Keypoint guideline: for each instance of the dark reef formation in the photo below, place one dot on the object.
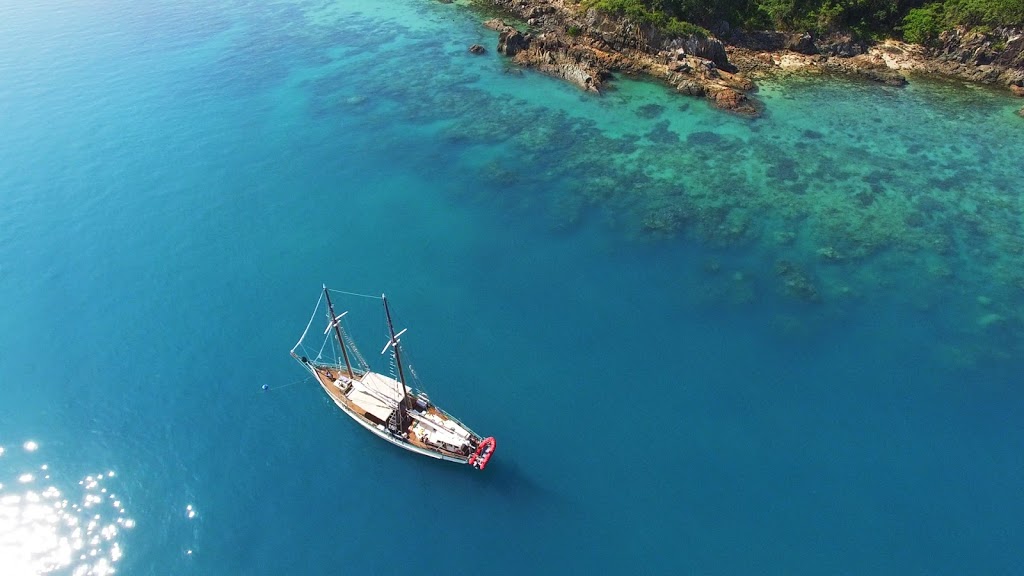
(818, 214)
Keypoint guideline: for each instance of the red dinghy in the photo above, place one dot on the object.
(483, 453)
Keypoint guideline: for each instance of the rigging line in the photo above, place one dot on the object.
(322, 346)
(355, 294)
(355, 351)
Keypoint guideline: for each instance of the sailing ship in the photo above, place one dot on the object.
(386, 405)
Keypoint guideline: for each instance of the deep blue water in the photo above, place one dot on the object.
(176, 182)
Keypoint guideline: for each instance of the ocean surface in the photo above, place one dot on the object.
(705, 344)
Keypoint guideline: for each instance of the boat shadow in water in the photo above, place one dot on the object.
(514, 484)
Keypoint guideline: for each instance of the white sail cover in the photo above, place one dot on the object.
(377, 394)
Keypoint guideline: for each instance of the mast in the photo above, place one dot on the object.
(398, 357)
(337, 331)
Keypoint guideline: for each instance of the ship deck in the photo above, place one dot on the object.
(326, 377)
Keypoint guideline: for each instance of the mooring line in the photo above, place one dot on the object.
(267, 388)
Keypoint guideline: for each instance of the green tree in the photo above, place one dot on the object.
(923, 25)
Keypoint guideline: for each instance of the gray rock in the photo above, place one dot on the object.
(538, 11)
(682, 68)
(883, 76)
(691, 88)
(707, 48)
(843, 46)
(496, 24)
(1000, 47)
(802, 43)
(511, 42)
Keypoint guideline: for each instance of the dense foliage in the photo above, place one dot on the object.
(655, 15)
(923, 25)
(917, 20)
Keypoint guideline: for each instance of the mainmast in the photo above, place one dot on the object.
(398, 356)
(336, 322)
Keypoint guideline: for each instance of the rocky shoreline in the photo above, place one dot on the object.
(557, 38)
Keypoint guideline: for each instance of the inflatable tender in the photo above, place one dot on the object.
(479, 458)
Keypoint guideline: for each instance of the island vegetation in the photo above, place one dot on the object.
(916, 21)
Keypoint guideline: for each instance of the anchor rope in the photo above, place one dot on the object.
(287, 385)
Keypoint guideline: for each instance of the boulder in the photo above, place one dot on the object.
(1017, 90)
(512, 41)
(844, 47)
(691, 88)
(882, 76)
(538, 11)
(496, 24)
(681, 68)
(802, 43)
(477, 49)
(706, 48)
(705, 69)
(725, 98)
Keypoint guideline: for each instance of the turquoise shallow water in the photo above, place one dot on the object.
(706, 345)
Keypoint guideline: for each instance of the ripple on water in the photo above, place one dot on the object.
(49, 525)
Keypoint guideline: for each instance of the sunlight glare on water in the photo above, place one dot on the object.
(45, 528)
